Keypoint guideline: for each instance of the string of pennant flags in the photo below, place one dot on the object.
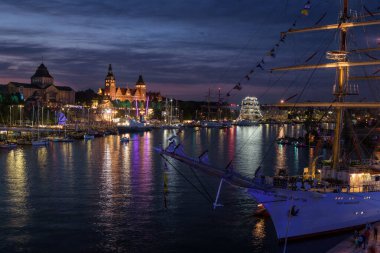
(273, 51)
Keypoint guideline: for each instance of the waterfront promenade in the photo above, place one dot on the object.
(348, 245)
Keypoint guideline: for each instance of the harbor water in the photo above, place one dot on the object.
(105, 196)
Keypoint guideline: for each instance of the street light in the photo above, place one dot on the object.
(171, 111)
(109, 112)
(10, 115)
(20, 106)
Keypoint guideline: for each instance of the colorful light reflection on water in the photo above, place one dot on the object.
(103, 195)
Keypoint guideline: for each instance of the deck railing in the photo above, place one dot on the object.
(290, 184)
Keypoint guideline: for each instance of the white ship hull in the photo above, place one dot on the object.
(317, 212)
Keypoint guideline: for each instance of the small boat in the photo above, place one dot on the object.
(8, 145)
(283, 141)
(174, 126)
(211, 124)
(99, 134)
(88, 136)
(23, 142)
(110, 132)
(226, 124)
(40, 142)
(299, 144)
(67, 139)
(124, 139)
(64, 139)
(56, 139)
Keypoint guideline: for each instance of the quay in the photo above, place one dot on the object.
(23, 135)
(54, 129)
(348, 245)
(30, 129)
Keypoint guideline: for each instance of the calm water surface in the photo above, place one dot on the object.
(103, 196)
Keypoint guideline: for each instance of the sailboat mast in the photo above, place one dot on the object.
(208, 104)
(38, 121)
(88, 120)
(219, 110)
(342, 76)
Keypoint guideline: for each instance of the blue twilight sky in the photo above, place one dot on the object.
(181, 47)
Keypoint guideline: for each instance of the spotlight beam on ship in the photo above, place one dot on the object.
(334, 104)
(328, 65)
(334, 26)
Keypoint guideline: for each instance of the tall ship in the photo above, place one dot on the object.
(340, 194)
(250, 112)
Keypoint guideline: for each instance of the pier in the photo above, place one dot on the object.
(348, 245)
(31, 129)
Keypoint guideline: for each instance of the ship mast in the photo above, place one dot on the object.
(342, 76)
(341, 63)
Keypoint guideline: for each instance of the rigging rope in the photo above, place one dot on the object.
(371, 88)
(187, 180)
(369, 132)
(200, 182)
(259, 27)
(298, 98)
(271, 53)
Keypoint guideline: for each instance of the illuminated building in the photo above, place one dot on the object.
(138, 93)
(43, 89)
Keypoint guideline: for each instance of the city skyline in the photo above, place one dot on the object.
(182, 48)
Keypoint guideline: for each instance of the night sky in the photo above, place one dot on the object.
(181, 47)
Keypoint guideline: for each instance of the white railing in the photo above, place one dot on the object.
(289, 183)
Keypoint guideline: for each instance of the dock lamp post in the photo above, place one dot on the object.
(20, 107)
(171, 112)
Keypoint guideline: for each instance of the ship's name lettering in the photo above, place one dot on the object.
(347, 203)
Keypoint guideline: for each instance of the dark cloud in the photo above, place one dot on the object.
(179, 46)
